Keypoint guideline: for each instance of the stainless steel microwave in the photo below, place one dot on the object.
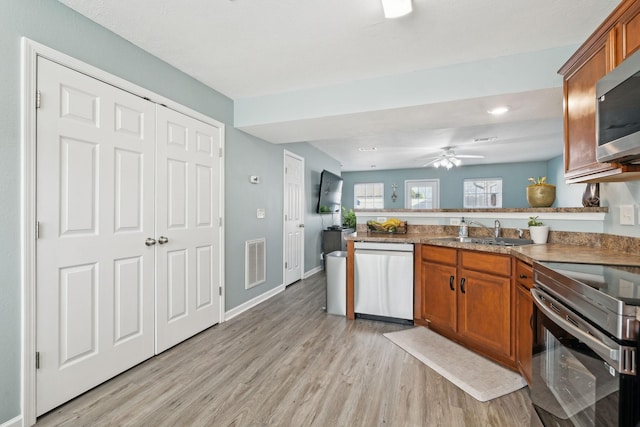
(618, 113)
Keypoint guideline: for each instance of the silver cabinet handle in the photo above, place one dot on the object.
(150, 241)
(162, 240)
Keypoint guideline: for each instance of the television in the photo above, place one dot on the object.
(330, 194)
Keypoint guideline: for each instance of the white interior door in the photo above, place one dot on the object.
(188, 226)
(293, 217)
(95, 208)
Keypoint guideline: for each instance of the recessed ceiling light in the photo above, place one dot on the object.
(396, 8)
(498, 110)
(367, 149)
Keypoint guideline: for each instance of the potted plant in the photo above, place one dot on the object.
(539, 193)
(349, 218)
(539, 232)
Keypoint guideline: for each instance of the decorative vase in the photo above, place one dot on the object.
(591, 196)
(539, 233)
(541, 195)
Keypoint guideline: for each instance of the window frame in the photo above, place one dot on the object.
(485, 194)
(433, 183)
(367, 197)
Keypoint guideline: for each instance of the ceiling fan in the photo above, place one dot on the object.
(448, 158)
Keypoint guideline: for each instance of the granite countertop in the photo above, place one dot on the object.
(529, 253)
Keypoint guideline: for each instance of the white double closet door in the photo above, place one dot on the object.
(129, 236)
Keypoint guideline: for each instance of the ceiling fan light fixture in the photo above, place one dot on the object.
(497, 111)
(396, 8)
(456, 161)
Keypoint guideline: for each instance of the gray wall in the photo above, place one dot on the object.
(314, 161)
(54, 25)
(514, 181)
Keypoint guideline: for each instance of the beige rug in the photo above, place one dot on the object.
(477, 376)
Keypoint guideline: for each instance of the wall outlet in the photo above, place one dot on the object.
(381, 219)
(454, 221)
(260, 213)
(627, 215)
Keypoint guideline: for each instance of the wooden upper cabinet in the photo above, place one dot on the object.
(580, 113)
(627, 32)
(610, 44)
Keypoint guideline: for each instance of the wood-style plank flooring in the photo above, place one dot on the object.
(287, 363)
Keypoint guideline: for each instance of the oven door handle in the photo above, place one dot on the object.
(547, 303)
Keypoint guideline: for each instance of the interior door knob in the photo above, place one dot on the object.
(162, 240)
(301, 225)
(150, 241)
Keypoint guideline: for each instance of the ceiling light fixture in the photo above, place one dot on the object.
(396, 8)
(498, 110)
(447, 163)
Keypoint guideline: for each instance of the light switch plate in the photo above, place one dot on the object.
(254, 179)
(260, 213)
(454, 221)
(627, 216)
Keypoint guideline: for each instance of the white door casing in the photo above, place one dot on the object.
(293, 217)
(188, 216)
(95, 208)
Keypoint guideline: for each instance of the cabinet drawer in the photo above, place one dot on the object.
(439, 254)
(496, 264)
(524, 274)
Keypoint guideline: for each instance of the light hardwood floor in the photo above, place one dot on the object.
(287, 363)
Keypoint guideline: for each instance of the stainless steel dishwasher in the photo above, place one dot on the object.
(383, 281)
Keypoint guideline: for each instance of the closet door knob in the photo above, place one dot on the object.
(162, 240)
(150, 241)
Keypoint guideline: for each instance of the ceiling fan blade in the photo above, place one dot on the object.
(469, 156)
(430, 162)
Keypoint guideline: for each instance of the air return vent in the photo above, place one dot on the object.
(255, 265)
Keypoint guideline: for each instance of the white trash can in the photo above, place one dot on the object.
(337, 283)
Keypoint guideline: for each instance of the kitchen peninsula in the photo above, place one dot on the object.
(490, 274)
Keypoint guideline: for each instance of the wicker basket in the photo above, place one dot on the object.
(401, 229)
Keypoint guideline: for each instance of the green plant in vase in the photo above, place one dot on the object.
(348, 218)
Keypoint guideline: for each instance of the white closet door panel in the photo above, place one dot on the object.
(293, 218)
(188, 209)
(95, 207)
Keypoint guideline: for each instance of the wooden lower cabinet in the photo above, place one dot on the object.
(466, 296)
(439, 296)
(484, 314)
(523, 279)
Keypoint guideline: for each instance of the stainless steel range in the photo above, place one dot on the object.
(585, 353)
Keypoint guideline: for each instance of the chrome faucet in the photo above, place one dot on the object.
(496, 227)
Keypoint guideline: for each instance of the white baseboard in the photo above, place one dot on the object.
(251, 303)
(313, 271)
(263, 297)
(15, 422)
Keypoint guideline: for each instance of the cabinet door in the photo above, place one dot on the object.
(628, 32)
(580, 114)
(439, 295)
(524, 331)
(484, 311)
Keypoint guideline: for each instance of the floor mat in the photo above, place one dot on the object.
(476, 375)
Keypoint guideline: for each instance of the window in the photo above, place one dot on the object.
(482, 193)
(422, 194)
(368, 195)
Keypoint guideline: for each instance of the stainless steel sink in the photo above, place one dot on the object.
(500, 241)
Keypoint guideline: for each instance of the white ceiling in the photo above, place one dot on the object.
(260, 52)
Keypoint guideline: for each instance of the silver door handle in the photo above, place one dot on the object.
(150, 241)
(162, 240)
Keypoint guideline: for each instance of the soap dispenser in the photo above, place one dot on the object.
(463, 229)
